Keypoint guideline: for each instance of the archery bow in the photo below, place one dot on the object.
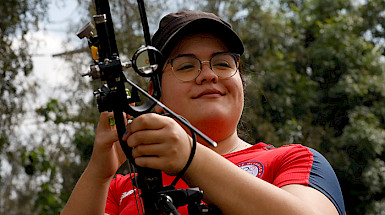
(113, 96)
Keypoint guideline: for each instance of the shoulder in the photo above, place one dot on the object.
(320, 176)
(284, 156)
(292, 164)
(275, 154)
(119, 185)
(294, 154)
(120, 188)
(121, 181)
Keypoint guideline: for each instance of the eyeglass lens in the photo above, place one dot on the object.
(188, 67)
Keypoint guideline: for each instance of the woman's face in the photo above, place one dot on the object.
(212, 104)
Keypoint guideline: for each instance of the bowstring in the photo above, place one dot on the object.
(135, 187)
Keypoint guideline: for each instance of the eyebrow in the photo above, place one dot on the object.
(190, 54)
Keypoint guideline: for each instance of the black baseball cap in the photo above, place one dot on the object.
(175, 26)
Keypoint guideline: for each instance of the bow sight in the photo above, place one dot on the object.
(113, 96)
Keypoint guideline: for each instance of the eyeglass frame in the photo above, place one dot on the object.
(234, 55)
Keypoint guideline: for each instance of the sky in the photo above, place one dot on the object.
(51, 71)
(48, 71)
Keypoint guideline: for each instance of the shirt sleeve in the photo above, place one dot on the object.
(292, 166)
(302, 165)
(112, 203)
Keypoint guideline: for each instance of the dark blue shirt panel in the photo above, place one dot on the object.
(323, 178)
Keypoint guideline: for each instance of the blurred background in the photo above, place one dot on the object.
(315, 75)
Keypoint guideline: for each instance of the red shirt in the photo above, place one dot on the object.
(290, 164)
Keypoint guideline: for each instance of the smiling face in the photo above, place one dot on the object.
(212, 104)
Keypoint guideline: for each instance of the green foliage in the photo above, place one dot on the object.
(314, 70)
(53, 111)
(47, 202)
(18, 18)
(316, 76)
(84, 142)
(39, 163)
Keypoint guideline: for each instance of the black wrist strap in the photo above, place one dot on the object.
(192, 153)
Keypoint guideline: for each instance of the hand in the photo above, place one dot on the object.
(158, 142)
(107, 155)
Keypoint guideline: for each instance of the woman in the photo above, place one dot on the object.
(201, 81)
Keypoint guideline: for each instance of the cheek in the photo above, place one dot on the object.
(240, 99)
(237, 88)
(175, 100)
(172, 91)
(238, 95)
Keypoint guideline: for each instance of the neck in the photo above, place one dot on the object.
(230, 144)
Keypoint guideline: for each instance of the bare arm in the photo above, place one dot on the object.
(160, 143)
(246, 194)
(90, 193)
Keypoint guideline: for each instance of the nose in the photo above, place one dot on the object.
(206, 74)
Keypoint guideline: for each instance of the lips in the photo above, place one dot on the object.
(209, 92)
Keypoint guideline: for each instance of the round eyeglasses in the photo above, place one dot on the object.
(188, 67)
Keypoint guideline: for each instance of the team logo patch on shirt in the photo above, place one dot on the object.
(253, 167)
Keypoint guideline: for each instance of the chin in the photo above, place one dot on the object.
(211, 116)
(211, 121)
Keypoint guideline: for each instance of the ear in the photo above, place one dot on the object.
(150, 90)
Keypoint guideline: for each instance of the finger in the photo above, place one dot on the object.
(148, 150)
(145, 137)
(150, 121)
(149, 162)
(104, 119)
(111, 120)
(108, 119)
(104, 132)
